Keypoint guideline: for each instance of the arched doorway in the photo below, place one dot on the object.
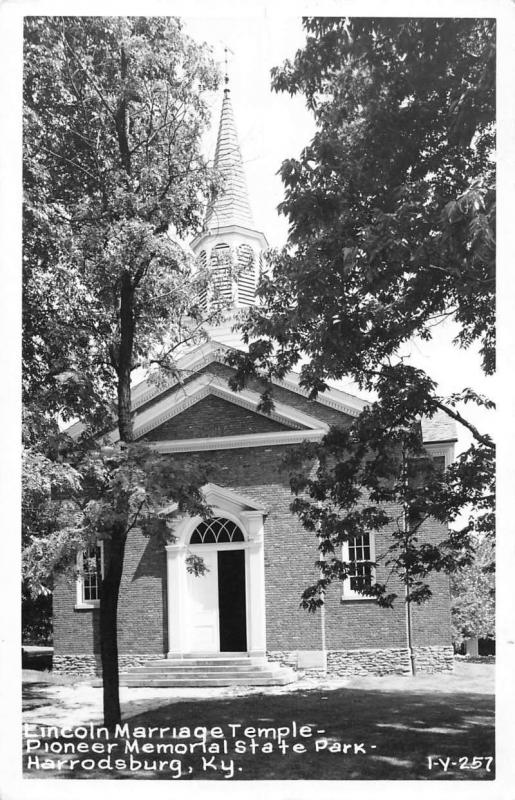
(218, 608)
(222, 610)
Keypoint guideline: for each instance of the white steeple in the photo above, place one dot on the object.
(230, 245)
(231, 206)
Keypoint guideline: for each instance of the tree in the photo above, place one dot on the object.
(392, 210)
(114, 114)
(473, 595)
(46, 483)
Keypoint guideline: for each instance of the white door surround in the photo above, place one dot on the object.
(192, 601)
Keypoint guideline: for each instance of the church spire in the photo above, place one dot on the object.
(231, 207)
(229, 245)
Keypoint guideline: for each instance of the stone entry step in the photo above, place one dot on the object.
(163, 666)
(222, 663)
(173, 682)
(209, 671)
(154, 666)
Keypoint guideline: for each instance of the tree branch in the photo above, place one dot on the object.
(69, 161)
(88, 76)
(135, 517)
(482, 438)
(120, 118)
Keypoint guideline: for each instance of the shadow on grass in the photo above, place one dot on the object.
(398, 730)
(34, 695)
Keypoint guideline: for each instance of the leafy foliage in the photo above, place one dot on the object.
(391, 206)
(36, 619)
(127, 486)
(374, 475)
(473, 595)
(114, 114)
(392, 215)
(114, 180)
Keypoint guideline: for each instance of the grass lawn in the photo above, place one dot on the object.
(398, 722)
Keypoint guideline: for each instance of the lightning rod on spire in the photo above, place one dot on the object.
(226, 66)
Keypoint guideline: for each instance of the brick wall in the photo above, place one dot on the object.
(350, 626)
(74, 631)
(290, 553)
(142, 618)
(313, 407)
(214, 416)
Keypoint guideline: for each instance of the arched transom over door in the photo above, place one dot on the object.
(218, 596)
(216, 531)
(222, 610)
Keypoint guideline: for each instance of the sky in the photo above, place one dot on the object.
(273, 127)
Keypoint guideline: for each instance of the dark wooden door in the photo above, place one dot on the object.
(232, 601)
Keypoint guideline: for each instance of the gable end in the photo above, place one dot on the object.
(215, 416)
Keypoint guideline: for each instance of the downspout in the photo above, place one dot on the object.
(323, 641)
(407, 599)
(322, 630)
(409, 640)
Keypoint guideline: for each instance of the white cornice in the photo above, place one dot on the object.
(236, 442)
(267, 440)
(203, 386)
(231, 231)
(329, 398)
(220, 495)
(213, 351)
(200, 357)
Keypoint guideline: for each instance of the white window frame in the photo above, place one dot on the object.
(347, 592)
(80, 602)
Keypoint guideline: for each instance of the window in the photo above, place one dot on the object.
(90, 569)
(216, 531)
(358, 553)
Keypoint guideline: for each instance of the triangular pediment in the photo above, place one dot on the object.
(212, 352)
(154, 404)
(219, 496)
(213, 415)
(177, 403)
(222, 499)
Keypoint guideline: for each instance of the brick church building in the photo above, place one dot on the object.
(241, 621)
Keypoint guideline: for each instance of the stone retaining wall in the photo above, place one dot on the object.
(387, 661)
(434, 659)
(377, 661)
(84, 665)
(340, 663)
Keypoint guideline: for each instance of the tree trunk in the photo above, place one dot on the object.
(125, 358)
(111, 583)
(124, 407)
(109, 628)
